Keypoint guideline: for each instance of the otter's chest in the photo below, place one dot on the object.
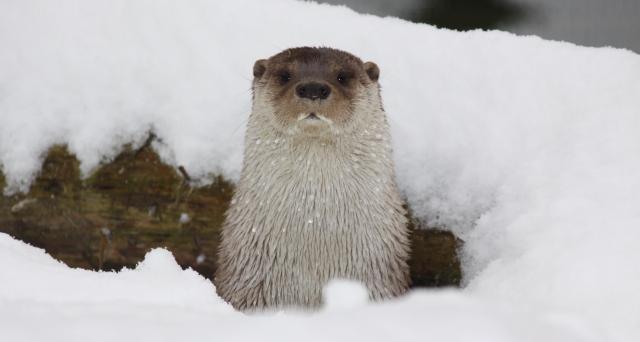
(315, 193)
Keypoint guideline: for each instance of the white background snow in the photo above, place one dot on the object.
(528, 149)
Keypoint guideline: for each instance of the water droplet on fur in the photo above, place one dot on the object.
(253, 230)
(246, 201)
(233, 201)
(258, 141)
(310, 221)
(260, 204)
(201, 258)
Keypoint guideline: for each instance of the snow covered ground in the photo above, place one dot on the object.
(527, 149)
(43, 300)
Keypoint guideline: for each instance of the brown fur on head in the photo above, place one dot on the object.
(338, 81)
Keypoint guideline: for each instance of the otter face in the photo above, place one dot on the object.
(313, 90)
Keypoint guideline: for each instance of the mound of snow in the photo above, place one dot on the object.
(528, 149)
(28, 274)
(344, 294)
(43, 300)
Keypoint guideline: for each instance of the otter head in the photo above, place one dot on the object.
(314, 91)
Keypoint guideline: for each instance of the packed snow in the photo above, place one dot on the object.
(528, 149)
(43, 300)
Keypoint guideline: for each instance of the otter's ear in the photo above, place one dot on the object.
(259, 68)
(372, 70)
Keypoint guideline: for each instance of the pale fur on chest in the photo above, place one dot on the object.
(307, 210)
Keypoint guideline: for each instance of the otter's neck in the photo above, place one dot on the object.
(316, 180)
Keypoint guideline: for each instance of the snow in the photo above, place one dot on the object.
(30, 275)
(184, 218)
(527, 149)
(41, 299)
(344, 294)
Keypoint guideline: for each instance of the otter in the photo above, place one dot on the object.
(317, 197)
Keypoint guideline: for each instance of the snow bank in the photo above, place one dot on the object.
(43, 300)
(28, 274)
(527, 149)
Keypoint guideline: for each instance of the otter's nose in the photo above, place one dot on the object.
(313, 91)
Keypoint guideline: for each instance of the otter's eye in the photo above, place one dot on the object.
(343, 78)
(284, 76)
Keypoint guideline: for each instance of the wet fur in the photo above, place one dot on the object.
(313, 205)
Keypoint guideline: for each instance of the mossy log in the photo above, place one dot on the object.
(136, 202)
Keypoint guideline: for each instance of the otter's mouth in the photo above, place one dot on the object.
(313, 117)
